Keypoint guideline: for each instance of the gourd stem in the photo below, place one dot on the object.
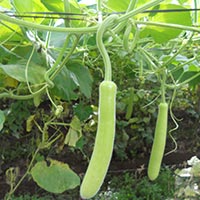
(75, 30)
(99, 40)
(163, 86)
(67, 57)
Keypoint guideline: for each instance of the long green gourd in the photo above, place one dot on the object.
(104, 141)
(159, 142)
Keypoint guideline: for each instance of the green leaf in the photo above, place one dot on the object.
(73, 76)
(76, 124)
(17, 71)
(56, 178)
(82, 111)
(163, 34)
(5, 4)
(2, 119)
(28, 6)
(81, 77)
(22, 7)
(64, 85)
(54, 5)
(9, 32)
(118, 5)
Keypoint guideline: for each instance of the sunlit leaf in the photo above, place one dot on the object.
(9, 32)
(163, 34)
(55, 178)
(25, 6)
(118, 5)
(54, 5)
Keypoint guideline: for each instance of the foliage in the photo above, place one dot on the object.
(16, 115)
(50, 70)
(127, 187)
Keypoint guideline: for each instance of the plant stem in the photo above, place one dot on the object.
(21, 97)
(178, 85)
(24, 176)
(139, 10)
(163, 80)
(67, 9)
(99, 40)
(56, 64)
(167, 25)
(66, 59)
(75, 30)
(47, 28)
(132, 12)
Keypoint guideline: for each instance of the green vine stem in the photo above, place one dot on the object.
(67, 9)
(75, 30)
(10, 94)
(132, 5)
(139, 10)
(132, 12)
(109, 21)
(99, 5)
(58, 60)
(53, 72)
(26, 70)
(175, 122)
(67, 57)
(168, 25)
(179, 85)
(47, 28)
(11, 192)
(195, 12)
(130, 45)
(180, 66)
(163, 83)
(184, 44)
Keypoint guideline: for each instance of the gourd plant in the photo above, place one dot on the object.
(104, 141)
(111, 25)
(160, 135)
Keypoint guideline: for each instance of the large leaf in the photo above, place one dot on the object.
(82, 77)
(28, 5)
(64, 85)
(55, 178)
(9, 34)
(70, 78)
(118, 5)
(22, 7)
(17, 71)
(163, 34)
(54, 5)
